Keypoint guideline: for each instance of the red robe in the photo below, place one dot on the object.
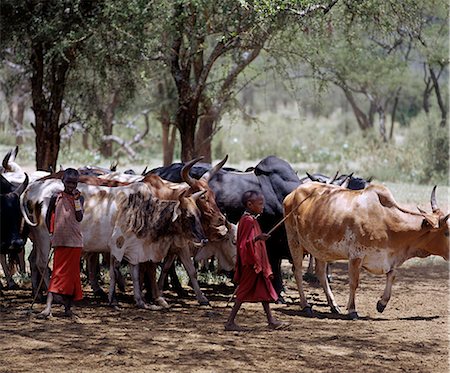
(253, 269)
(65, 277)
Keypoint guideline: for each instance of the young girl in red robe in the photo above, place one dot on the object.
(253, 270)
(64, 215)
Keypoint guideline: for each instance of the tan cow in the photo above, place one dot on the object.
(366, 227)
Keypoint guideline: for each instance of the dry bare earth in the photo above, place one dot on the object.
(411, 335)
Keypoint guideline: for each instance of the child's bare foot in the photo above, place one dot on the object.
(234, 327)
(276, 324)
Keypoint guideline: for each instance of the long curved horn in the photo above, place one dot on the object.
(14, 153)
(113, 166)
(312, 177)
(434, 206)
(6, 160)
(24, 211)
(208, 176)
(186, 168)
(334, 178)
(346, 181)
(20, 189)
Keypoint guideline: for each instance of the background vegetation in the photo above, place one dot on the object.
(327, 85)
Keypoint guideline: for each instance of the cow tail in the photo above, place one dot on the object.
(25, 212)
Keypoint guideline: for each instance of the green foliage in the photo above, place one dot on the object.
(319, 144)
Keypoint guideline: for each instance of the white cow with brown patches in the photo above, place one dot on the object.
(129, 221)
(366, 227)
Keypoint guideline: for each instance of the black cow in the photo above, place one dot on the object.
(273, 177)
(12, 241)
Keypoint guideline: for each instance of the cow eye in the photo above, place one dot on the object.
(446, 234)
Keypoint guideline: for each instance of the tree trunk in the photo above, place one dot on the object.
(440, 101)
(382, 122)
(205, 131)
(394, 113)
(187, 116)
(85, 140)
(362, 119)
(168, 138)
(47, 110)
(16, 113)
(203, 138)
(107, 117)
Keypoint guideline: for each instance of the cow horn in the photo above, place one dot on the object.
(24, 211)
(312, 177)
(195, 196)
(334, 178)
(6, 160)
(209, 175)
(20, 189)
(346, 181)
(445, 218)
(369, 180)
(434, 206)
(186, 168)
(144, 172)
(113, 166)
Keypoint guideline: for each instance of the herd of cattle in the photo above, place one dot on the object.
(190, 211)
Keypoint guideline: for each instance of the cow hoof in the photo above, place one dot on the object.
(310, 278)
(99, 293)
(380, 306)
(353, 315)
(204, 303)
(336, 310)
(152, 307)
(308, 311)
(13, 286)
(162, 302)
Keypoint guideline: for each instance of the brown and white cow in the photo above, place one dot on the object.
(366, 227)
(38, 195)
(129, 221)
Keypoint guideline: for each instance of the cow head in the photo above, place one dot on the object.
(224, 250)
(435, 227)
(213, 221)
(11, 221)
(190, 217)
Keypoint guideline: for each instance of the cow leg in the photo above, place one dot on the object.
(134, 270)
(382, 303)
(21, 256)
(113, 268)
(154, 288)
(92, 262)
(298, 269)
(185, 258)
(167, 264)
(9, 280)
(354, 268)
(321, 272)
(309, 275)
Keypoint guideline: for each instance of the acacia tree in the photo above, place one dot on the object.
(207, 45)
(47, 38)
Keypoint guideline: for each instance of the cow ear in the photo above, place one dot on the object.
(429, 219)
(176, 211)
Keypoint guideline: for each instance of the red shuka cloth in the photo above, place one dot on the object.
(66, 272)
(253, 269)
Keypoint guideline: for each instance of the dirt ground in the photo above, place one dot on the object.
(411, 335)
